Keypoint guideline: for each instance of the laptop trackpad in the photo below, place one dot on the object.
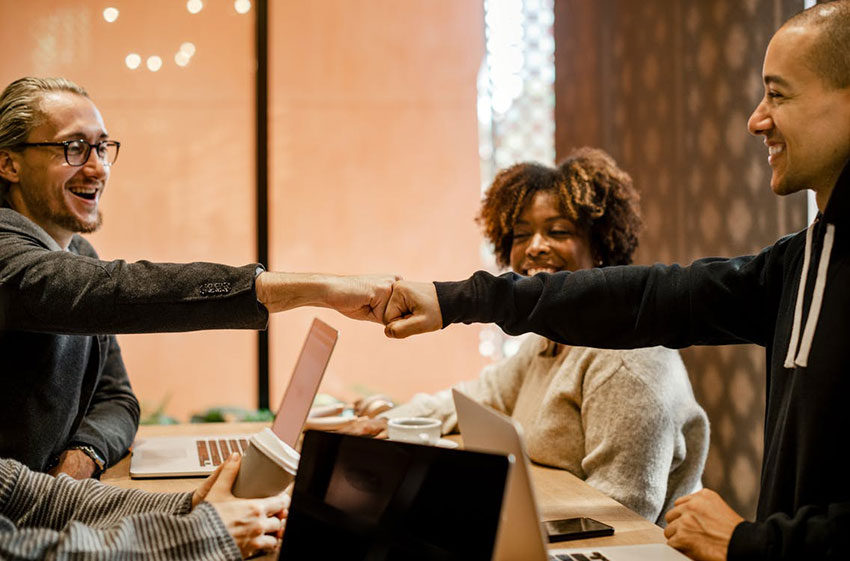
(160, 454)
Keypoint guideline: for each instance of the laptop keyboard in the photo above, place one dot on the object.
(214, 451)
(595, 556)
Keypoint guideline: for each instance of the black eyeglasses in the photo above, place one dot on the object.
(77, 151)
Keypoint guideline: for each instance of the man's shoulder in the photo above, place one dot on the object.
(19, 226)
(81, 246)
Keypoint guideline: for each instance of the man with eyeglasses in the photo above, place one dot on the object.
(66, 405)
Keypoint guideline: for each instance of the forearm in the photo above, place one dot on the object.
(37, 500)
(497, 386)
(712, 301)
(199, 535)
(284, 291)
(814, 532)
(112, 419)
(59, 292)
(433, 406)
(109, 427)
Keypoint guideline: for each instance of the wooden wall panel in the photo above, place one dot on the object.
(666, 86)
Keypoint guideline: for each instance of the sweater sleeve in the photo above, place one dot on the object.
(497, 386)
(814, 532)
(42, 516)
(712, 301)
(629, 442)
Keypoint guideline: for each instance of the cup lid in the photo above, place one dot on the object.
(276, 450)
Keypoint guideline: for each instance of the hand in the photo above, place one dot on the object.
(372, 406)
(700, 526)
(75, 463)
(363, 297)
(255, 524)
(413, 308)
(364, 426)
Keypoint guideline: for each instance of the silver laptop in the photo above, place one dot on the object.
(521, 536)
(188, 456)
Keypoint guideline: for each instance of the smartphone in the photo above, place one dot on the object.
(576, 529)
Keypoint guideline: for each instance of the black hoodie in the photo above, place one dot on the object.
(804, 504)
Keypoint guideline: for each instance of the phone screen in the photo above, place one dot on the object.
(576, 528)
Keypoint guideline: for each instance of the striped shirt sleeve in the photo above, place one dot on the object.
(45, 517)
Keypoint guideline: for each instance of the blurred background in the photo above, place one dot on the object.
(386, 119)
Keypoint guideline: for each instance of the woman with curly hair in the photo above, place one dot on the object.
(625, 421)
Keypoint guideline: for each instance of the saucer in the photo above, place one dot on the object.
(446, 443)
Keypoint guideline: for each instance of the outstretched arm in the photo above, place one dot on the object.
(358, 297)
(712, 301)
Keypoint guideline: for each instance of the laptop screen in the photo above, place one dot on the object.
(359, 498)
(305, 381)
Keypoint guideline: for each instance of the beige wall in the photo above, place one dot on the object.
(375, 168)
(373, 157)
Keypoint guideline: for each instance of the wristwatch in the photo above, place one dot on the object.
(99, 463)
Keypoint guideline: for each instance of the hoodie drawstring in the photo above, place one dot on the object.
(802, 357)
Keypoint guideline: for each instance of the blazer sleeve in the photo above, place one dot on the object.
(112, 419)
(54, 291)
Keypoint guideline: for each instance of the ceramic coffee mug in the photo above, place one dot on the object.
(415, 429)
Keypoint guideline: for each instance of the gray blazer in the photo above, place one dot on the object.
(61, 371)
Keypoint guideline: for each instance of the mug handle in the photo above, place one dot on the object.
(425, 438)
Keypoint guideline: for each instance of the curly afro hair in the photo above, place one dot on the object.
(595, 194)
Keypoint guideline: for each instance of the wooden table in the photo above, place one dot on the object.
(559, 493)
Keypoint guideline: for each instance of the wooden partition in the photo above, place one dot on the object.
(666, 86)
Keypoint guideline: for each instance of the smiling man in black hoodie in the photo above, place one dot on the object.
(793, 298)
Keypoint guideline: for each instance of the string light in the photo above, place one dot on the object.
(132, 61)
(110, 14)
(154, 63)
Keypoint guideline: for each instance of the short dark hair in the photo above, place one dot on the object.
(592, 192)
(829, 56)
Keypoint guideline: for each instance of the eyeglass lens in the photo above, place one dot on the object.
(77, 152)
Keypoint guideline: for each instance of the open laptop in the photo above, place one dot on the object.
(198, 456)
(358, 498)
(521, 536)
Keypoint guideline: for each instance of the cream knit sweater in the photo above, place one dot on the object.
(625, 421)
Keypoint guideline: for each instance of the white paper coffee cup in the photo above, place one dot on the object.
(419, 430)
(268, 466)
